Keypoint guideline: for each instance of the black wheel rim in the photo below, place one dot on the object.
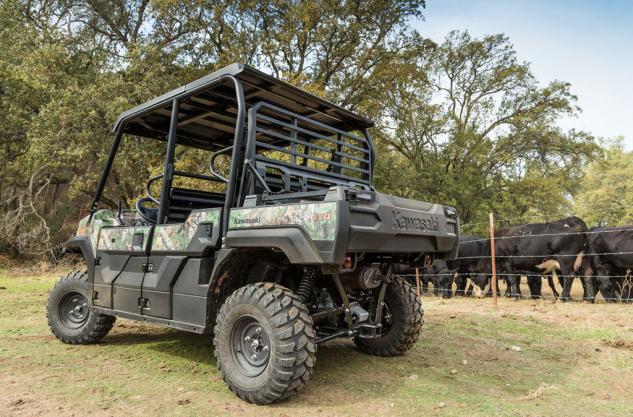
(250, 346)
(74, 309)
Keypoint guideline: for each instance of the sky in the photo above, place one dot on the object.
(587, 43)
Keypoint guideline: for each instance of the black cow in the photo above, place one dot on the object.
(548, 268)
(611, 261)
(441, 276)
(471, 249)
(436, 273)
(534, 282)
(539, 249)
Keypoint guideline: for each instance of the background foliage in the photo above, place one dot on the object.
(607, 193)
(460, 121)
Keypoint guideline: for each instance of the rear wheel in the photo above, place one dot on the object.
(69, 315)
(401, 321)
(264, 343)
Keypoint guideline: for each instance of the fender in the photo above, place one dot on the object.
(291, 240)
(85, 246)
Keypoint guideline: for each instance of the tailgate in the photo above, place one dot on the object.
(392, 224)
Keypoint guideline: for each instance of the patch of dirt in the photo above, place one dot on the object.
(43, 338)
(544, 310)
(19, 399)
(619, 343)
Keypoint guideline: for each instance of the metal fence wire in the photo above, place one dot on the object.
(625, 287)
(521, 218)
(431, 291)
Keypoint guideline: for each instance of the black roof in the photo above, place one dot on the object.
(207, 115)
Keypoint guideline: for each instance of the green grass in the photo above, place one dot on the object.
(144, 370)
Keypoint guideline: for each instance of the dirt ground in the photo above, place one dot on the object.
(521, 358)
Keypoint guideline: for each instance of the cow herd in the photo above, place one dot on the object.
(600, 257)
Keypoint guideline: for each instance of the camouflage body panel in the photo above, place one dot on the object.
(319, 220)
(121, 238)
(176, 237)
(100, 219)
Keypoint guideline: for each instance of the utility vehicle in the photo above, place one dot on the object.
(290, 249)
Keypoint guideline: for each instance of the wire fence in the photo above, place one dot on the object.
(513, 219)
(621, 278)
(548, 256)
(584, 233)
(528, 275)
(431, 291)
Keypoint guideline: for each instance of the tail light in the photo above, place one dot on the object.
(348, 262)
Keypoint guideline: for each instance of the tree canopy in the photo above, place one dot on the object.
(460, 121)
(476, 130)
(607, 189)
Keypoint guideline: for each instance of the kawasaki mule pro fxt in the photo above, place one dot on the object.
(291, 249)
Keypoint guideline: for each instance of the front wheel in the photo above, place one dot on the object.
(264, 343)
(401, 321)
(69, 315)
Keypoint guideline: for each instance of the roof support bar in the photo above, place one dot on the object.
(237, 156)
(168, 172)
(106, 171)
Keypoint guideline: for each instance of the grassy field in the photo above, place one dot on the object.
(574, 359)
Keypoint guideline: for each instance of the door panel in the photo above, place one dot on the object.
(193, 237)
(122, 256)
(194, 278)
(172, 249)
(108, 269)
(126, 291)
(157, 286)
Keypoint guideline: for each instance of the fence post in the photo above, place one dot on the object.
(492, 259)
(417, 280)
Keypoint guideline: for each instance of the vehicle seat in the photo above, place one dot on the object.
(183, 200)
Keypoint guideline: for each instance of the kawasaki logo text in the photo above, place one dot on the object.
(422, 224)
(247, 220)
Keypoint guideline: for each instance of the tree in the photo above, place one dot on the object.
(462, 122)
(71, 66)
(607, 188)
(479, 132)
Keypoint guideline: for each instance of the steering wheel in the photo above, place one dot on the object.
(148, 214)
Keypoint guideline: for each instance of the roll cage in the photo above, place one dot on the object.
(285, 144)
